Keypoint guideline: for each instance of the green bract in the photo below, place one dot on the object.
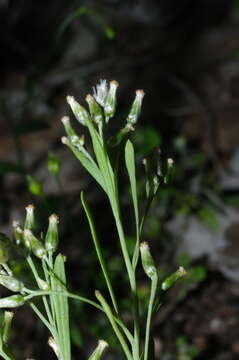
(170, 281)
(147, 260)
(33, 244)
(51, 239)
(11, 283)
(29, 222)
(98, 352)
(12, 301)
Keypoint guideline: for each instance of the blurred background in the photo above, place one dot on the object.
(185, 55)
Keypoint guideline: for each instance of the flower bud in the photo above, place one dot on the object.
(51, 239)
(67, 125)
(170, 281)
(78, 142)
(65, 141)
(95, 109)
(33, 244)
(169, 172)
(110, 102)
(80, 113)
(147, 260)
(42, 284)
(136, 107)
(12, 301)
(7, 322)
(11, 283)
(29, 222)
(17, 233)
(98, 352)
(152, 179)
(53, 164)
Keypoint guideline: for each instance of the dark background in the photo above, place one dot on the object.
(185, 55)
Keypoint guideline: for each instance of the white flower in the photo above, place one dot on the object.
(100, 92)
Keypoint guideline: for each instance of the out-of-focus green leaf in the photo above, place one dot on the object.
(109, 32)
(35, 187)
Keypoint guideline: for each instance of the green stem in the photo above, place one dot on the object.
(98, 251)
(44, 299)
(114, 325)
(42, 317)
(33, 293)
(48, 311)
(93, 303)
(51, 328)
(147, 207)
(131, 274)
(153, 291)
(123, 245)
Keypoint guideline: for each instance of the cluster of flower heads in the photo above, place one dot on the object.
(28, 244)
(102, 107)
(102, 104)
(26, 238)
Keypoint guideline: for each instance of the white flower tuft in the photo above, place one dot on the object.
(100, 92)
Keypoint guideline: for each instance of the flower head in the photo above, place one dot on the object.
(100, 92)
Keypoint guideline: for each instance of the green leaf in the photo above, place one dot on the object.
(130, 165)
(103, 163)
(89, 165)
(58, 281)
(109, 32)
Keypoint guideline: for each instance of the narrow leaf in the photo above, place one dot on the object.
(130, 165)
(61, 309)
(90, 166)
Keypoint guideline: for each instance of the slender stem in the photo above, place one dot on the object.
(48, 310)
(33, 293)
(124, 249)
(45, 302)
(98, 251)
(41, 317)
(32, 266)
(93, 303)
(4, 355)
(110, 316)
(153, 292)
(50, 265)
(131, 274)
(51, 328)
(7, 269)
(147, 207)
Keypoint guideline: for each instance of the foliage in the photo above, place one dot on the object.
(103, 162)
